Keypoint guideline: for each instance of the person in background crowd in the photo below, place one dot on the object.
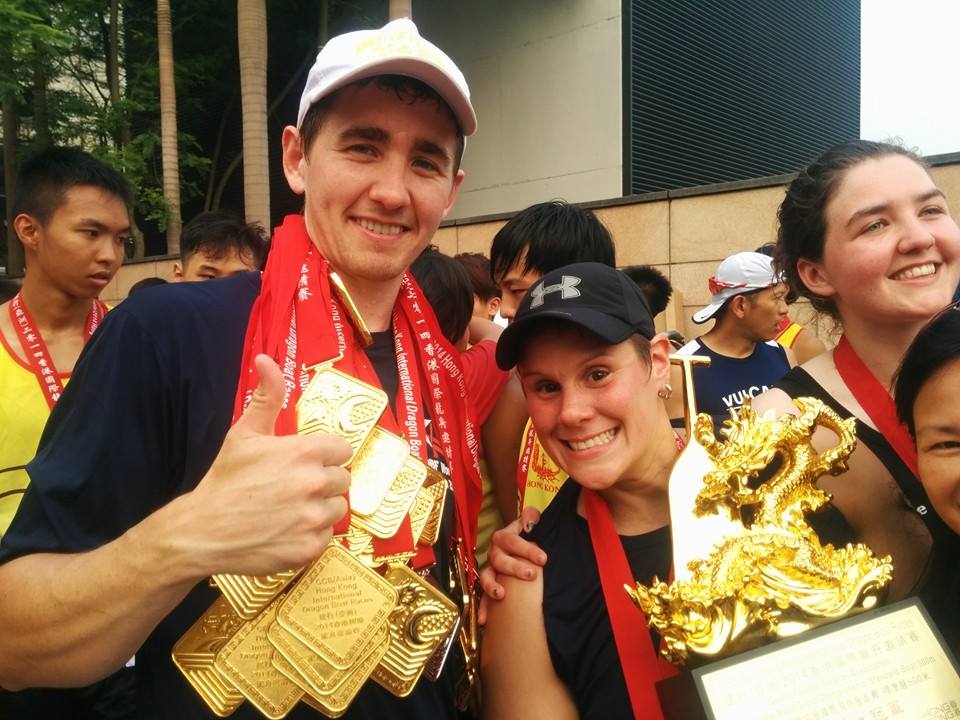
(747, 306)
(542, 238)
(536, 240)
(218, 244)
(142, 490)
(653, 284)
(71, 212)
(793, 336)
(930, 372)
(446, 283)
(486, 293)
(595, 376)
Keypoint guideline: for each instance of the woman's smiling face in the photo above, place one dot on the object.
(592, 404)
(891, 249)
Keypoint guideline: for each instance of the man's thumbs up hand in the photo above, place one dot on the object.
(268, 503)
(260, 415)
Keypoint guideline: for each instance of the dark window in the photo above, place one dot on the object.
(721, 90)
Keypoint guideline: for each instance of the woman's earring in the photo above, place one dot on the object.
(665, 392)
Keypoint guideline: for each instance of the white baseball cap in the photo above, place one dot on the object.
(738, 274)
(394, 49)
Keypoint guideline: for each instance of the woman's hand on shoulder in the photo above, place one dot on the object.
(519, 681)
(512, 556)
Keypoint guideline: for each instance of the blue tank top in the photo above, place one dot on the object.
(728, 382)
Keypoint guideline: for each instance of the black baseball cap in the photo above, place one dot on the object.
(594, 296)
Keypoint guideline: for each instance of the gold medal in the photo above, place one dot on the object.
(317, 676)
(195, 652)
(246, 661)
(437, 485)
(421, 620)
(420, 512)
(374, 469)
(397, 503)
(337, 702)
(341, 686)
(334, 402)
(434, 666)
(468, 688)
(249, 594)
(357, 540)
(337, 607)
(336, 284)
(309, 700)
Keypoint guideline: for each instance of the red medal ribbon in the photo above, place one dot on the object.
(875, 399)
(298, 322)
(35, 349)
(524, 464)
(642, 666)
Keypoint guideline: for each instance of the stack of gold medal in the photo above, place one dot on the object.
(316, 635)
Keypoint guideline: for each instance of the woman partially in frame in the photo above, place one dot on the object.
(571, 644)
(928, 384)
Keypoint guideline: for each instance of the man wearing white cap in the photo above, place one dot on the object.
(142, 490)
(748, 302)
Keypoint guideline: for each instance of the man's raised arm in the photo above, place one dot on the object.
(267, 504)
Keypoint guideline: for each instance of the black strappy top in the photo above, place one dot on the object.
(940, 586)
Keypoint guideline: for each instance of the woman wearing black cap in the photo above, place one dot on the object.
(570, 643)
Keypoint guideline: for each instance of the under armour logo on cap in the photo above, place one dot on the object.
(567, 287)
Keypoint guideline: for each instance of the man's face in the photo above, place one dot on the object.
(514, 284)
(203, 266)
(377, 180)
(763, 312)
(80, 248)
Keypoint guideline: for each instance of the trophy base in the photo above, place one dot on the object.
(886, 663)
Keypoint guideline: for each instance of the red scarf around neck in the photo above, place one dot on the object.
(298, 322)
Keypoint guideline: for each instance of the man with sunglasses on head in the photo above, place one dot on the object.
(748, 302)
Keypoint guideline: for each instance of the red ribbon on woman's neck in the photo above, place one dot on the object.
(642, 666)
(875, 400)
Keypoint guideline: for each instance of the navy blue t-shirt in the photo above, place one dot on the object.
(140, 422)
(728, 382)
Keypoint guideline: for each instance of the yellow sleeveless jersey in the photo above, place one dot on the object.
(788, 336)
(543, 476)
(23, 413)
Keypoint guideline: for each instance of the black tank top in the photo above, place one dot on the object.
(579, 633)
(940, 584)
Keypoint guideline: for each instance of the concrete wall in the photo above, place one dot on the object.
(684, 233)
(545, 81)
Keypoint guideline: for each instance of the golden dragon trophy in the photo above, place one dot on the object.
(748, 568)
